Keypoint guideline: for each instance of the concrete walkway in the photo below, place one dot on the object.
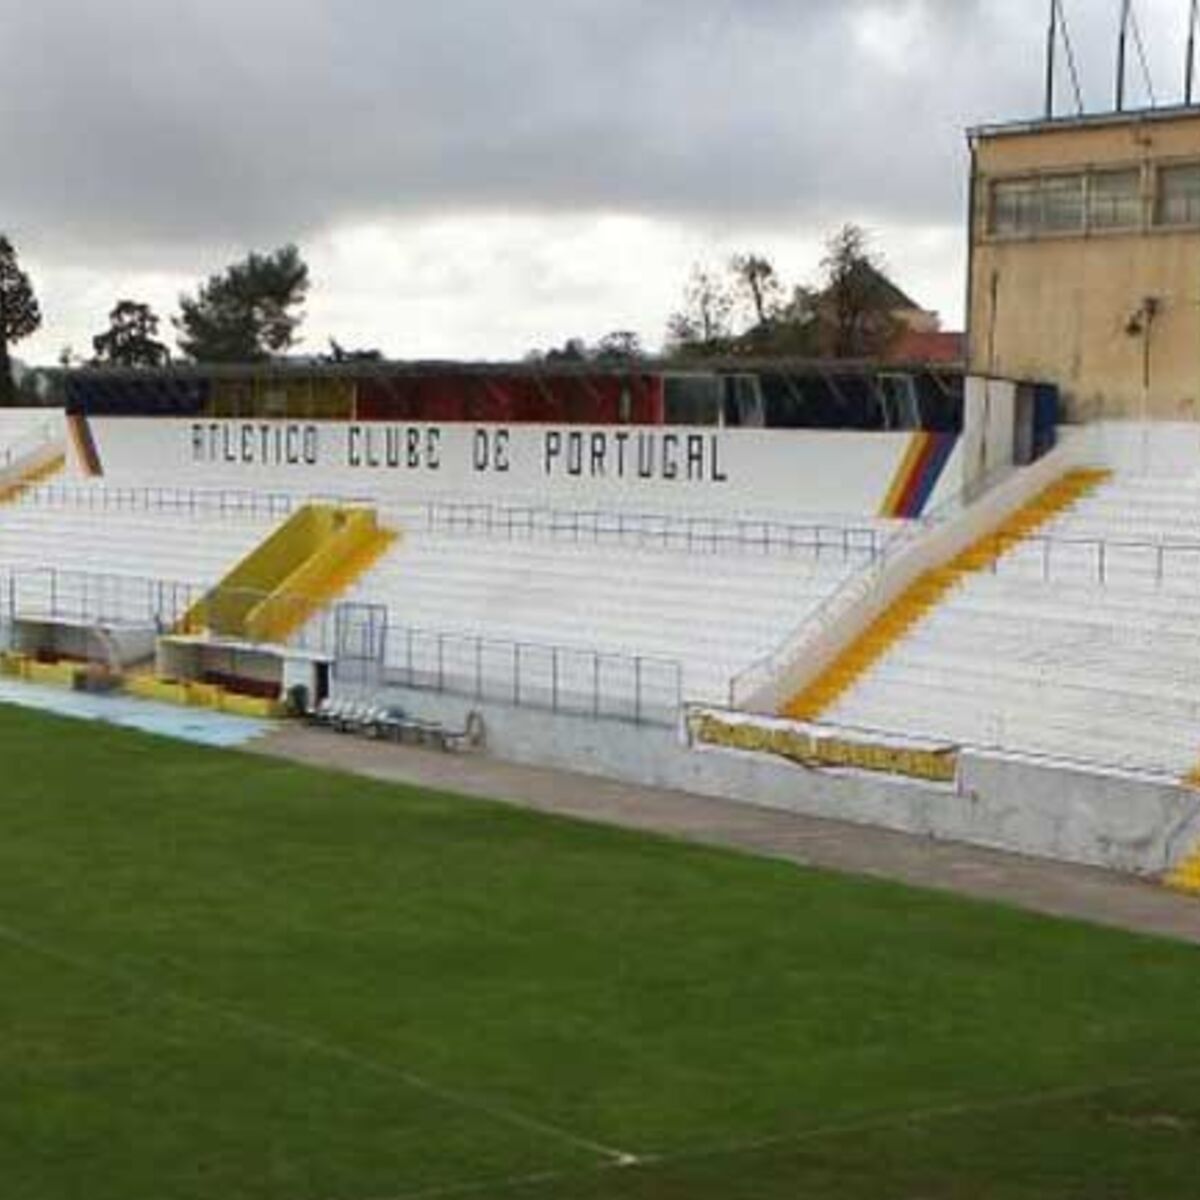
(1046, 887)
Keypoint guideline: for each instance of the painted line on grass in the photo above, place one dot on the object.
(917, 1116)
(317, 1046)
(476, 1187)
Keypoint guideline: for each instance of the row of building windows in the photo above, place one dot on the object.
(1095, 200)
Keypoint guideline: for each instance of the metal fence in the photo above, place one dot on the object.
(1102, 561)
(95, 597)
(764, 671)
(225, 503)
(692, 533)
(639, 688)
(745, 685)
(98, 598)
(365, 649)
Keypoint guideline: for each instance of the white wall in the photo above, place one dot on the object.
(1055, 810)
(648, 469)
(989, 416)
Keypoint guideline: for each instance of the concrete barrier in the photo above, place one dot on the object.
(1068, 812)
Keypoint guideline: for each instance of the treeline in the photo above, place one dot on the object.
(252, 312)
(744, 308)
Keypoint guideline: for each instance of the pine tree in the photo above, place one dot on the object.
(131, 338)
(19, 314)
(247, 313)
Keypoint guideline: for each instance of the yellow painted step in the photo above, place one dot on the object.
(14, 491)
(305, 563)
(928, 591)
(1186, 876)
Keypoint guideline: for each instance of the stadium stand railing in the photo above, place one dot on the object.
(751, 678)
(224, 503)
(365, 649)
(692, 533)
(1104, 561)
(643, 689)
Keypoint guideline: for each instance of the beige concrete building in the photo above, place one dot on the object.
(1085, 260)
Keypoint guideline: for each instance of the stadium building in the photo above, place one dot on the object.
(909, 595)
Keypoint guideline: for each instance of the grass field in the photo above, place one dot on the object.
(228, 978)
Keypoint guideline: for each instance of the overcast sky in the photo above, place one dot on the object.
(473, 178)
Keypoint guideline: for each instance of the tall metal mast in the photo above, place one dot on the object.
(1051, 49)
(1122, 39)
(1190, 70)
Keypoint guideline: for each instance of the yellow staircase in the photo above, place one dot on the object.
(35, 475)
(1186, 876)
(928, 591)
(314, 556)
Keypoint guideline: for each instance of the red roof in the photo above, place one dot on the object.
(916, 347)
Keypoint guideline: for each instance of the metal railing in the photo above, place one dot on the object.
(691, 533)
(1100, 560)
(100, 598)
(364, 648)
(852, 590)
(748, 681)
(225, 503)
(95, 597)
(642, 689)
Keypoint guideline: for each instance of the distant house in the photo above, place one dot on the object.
(928, 346)
(920, 337)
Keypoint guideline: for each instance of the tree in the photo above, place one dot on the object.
(131, 338)
(757, 286)
(702, 325)
(858, 303)
(620, 346)
(19, 314)
(247, 313)
(574, 350)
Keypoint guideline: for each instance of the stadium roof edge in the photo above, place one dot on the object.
(378, 368)
(1173, 112)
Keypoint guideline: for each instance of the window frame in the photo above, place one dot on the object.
(1042, 184)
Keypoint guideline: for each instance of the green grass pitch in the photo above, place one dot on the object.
(229, 978)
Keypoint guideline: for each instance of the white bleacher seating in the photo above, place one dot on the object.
(87, 540)
(22, 428)
(711, 611)
(1084, 643)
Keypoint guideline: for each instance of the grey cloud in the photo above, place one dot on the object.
(139, 125)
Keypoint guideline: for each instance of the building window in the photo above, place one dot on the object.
(1053, 204)
(1015, 206)
(1114, 199)
(1179, 195)
(1062, 203)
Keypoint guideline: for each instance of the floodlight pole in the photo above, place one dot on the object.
(1189, 79)
(1122, 41)
(1051, 49)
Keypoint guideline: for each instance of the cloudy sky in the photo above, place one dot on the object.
(474, 178)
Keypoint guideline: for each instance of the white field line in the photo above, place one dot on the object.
(316, 1046)
(917, 1116)
(883, 1121)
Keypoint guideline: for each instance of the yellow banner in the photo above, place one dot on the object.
(815, 749)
